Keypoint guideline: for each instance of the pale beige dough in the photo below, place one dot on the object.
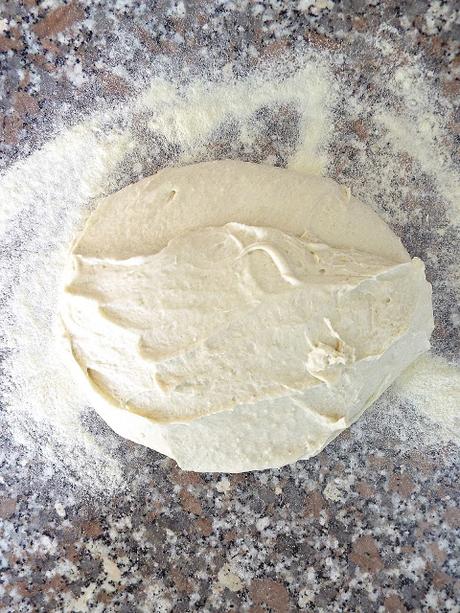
(236, 316)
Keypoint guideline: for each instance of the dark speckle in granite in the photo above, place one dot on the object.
(371, 524)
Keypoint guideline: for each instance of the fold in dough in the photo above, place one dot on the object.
(236, 316)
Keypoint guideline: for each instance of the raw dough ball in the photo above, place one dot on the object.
(235, 316)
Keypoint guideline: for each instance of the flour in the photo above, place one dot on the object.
(386, 138)
(49, 193)
(433, 386)
(191, 116)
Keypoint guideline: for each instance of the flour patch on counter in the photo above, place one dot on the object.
(432, 385)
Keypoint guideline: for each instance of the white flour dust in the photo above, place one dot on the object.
(310, 112)
(433, 386)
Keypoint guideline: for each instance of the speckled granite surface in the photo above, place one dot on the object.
(372, 524)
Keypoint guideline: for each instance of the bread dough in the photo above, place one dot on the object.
(235, 316)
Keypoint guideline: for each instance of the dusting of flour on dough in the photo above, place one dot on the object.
(311, 112)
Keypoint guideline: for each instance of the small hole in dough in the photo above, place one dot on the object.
(322, 270)
(171, 196)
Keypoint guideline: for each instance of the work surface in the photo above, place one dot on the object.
(371, 524)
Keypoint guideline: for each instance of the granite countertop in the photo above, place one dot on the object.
(371, 524)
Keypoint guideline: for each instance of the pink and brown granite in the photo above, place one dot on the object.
(370, 525)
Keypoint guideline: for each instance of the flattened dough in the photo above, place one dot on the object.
(235, 316)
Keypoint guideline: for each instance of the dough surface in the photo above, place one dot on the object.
(235, 316)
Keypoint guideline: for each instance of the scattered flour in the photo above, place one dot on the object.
(46, 195)
(308, 111)
(422, 139)
(433, 386)
(192, 115)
